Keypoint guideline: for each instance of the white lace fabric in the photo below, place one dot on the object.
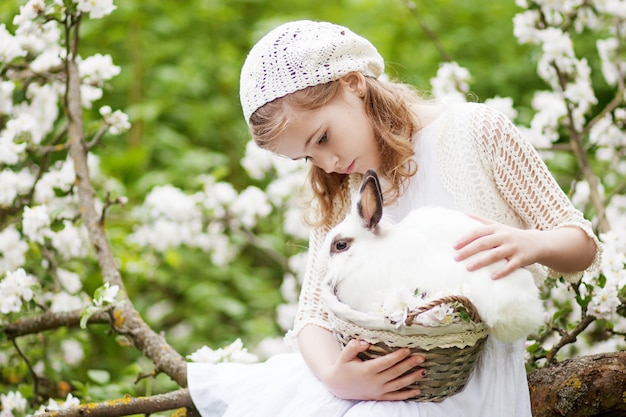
(489, 170)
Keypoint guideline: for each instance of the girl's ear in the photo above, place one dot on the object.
(355, 83)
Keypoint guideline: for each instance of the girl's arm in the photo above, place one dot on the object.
(351, 378)
(556, 234)
(565, 249)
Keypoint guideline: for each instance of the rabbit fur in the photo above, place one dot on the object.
(368, 257)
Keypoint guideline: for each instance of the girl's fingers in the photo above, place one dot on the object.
(397, 371)
(400, 395)
(480, 219)
(352, 349)
(388, 361)
(403, 381)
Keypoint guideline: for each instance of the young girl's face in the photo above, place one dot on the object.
(336, 137)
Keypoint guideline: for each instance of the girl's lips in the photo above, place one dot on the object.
(350, 168)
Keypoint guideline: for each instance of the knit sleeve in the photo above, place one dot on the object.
(311, 308)
(524, 181)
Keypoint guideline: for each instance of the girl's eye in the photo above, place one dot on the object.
(323, 139)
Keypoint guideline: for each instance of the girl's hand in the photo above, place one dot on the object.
(376, 379)
(493, 242)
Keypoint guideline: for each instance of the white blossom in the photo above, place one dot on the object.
(13, 184)
(9, 46)
(550, 108)
(525, 26)
(250, 204)
(293, 223)
(504, 105)
(37, 37)
(35, 119)
(257, 162)
(10, 151)
(289, 288)
(451, 82)
(29, 11)
(287, 186)
(97, 69)
(271, 346)
(286, 315)
(158, 311)
(613, 69)
(170, 218)
(73, 352)
(6, 96)
(581, 195)
(12, 250)
(64, 302)
(60, 177)
(36, 223)
(615, 8)
(69, 280)
(297, 263)
(235, 352)
(436, 316)
(219, 245)
(97, 9)
(15, 288)
(117, 120)
(89, 94)
(396, 305)
(556, 44)
(616, 213)
(48, 60)
(12, 401)
(53, 405)
(70, 242)
(217, 196)
(604, 302)
(107, 294)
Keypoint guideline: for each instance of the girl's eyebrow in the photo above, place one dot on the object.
(307, 143)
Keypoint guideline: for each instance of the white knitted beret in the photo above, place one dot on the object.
(302, 54)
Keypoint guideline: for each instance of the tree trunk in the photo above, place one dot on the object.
(580, 387)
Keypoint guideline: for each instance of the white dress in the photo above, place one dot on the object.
(283, 386)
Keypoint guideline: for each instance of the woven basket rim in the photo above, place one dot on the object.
(375, 329)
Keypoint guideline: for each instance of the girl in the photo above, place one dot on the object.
(312, 91)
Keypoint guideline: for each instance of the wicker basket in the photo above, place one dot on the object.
(450, 351)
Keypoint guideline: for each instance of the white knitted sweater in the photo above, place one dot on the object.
(491, 171)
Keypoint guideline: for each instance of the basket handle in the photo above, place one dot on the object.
(469, 306)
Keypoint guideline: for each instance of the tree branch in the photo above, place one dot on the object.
(128, 406)
(567, 338)
(50, 321)
(580, 387)
(576, 140)
(126, 319)
(445, 57)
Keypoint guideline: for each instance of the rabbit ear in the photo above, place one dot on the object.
(370, 205)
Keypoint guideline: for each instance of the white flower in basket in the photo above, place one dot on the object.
(398, 305)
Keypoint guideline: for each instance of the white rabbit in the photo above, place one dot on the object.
(368, 257)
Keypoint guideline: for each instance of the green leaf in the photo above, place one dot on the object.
(86, 314)
(99, 376)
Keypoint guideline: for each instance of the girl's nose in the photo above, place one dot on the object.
(328, 163)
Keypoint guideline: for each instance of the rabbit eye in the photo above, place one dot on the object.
(341, 245)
